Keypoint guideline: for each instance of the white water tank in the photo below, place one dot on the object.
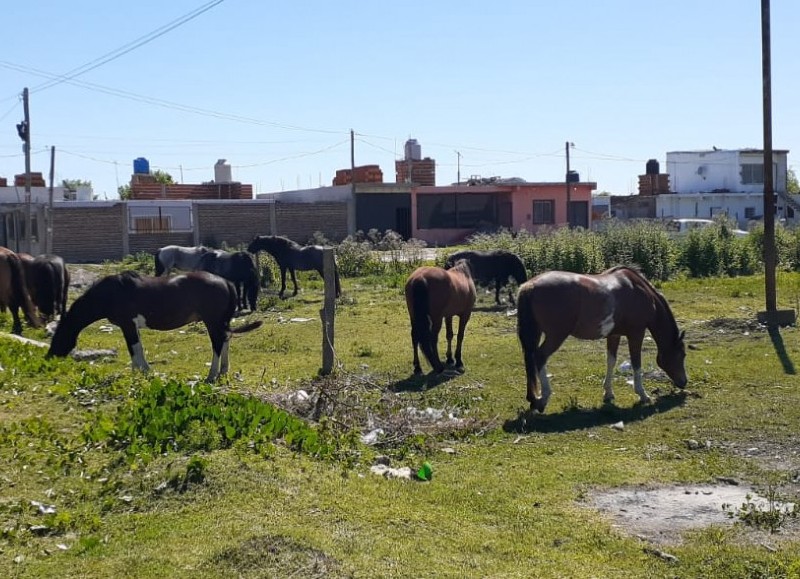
(413, 150)
(83, 194)
(222, 172)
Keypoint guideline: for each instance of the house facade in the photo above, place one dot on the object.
(715, 182)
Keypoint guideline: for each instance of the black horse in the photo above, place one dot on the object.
(291, 256)
(47, 279)
(495, 266)
(236, 267)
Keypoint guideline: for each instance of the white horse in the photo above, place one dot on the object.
(178, 257)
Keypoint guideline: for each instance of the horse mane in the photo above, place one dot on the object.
(287, 242)
(657, 295)
(462, 266)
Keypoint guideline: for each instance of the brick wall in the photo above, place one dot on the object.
(150, 242)
(192, 191)
(298, 221)
(232, 223)
(88, 234)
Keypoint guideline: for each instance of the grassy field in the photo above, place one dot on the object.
(511, 492)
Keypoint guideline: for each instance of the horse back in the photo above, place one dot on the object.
(450, 292)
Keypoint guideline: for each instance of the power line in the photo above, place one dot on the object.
(125, 49)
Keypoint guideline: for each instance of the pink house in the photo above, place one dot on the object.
(447, 215)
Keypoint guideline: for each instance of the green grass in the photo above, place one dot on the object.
(509, 502)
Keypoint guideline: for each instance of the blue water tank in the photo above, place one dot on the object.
(573, 177)
(141, 166)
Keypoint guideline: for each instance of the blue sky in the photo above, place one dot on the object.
(275, 88)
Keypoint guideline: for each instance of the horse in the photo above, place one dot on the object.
(492, 266)
(13, 291)
(618, 302)
(47, 279)
(237, 267)
(292, 256)
(131, 301)
(178, 257)
(433, 293)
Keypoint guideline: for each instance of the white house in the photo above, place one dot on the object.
(710, 183)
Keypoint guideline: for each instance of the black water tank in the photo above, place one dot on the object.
(652, 167)
(573, 177)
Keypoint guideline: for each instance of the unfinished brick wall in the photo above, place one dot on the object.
(88, 234)
(298, 221)
(232, 223)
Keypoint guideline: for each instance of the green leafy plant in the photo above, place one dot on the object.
(771, 514)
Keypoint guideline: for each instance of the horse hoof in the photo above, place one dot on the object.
(460, 368)
(608, 400)
(417, 371)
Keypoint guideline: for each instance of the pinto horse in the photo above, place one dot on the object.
(13, 291)
(47, 279)
(237, 267)
(172, 257)
(433, 293)
(618, 302)
(291, 256)
(492, 266)
(131, 301)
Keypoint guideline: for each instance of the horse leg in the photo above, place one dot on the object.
(134, 343)
(294, 280)
(16, 328)
(448, 325)
(497, 286)
(635, 349)
(612, 344)
(415, 347)
(552, 342)
(220, 340)
(436, 327)
(462, 326)
(283, 281)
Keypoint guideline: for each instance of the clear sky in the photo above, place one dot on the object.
(275, 87)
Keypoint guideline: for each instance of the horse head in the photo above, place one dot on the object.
(671, 358)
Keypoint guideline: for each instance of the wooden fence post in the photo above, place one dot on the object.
(328, 311)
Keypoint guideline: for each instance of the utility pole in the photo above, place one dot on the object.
(458, 156)
(25, 134)
(48, 248)
(569, 193)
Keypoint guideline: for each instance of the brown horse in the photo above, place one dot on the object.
(433, 293)
(131, 301)
(13, 291)
(618, 302)
(47, 279)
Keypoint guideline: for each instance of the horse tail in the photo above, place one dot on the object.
(63, 297)
(528, 330)
(159, 265)
(421, 322)
(248, 327)
(20, 290)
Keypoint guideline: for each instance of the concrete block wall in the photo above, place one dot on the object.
(232, 223)
(83, 233)
(298, 221)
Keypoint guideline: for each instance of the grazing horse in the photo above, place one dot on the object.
(13, 290)
(618, 302)
(291, 256)
(131, 301)
(178, 257)
(492, 266)
(237, 267)
(47, 279)
(433, 293)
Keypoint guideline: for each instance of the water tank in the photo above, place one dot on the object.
(652, 167)
(573, 177)
(222, 172)
(141, 166)
(413, 150)
(83, 194)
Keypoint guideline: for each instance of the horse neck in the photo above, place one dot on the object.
(663, 327)
(84, 311)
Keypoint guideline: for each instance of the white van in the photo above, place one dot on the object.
(684, 225)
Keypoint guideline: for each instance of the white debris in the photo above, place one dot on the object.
(388, 472)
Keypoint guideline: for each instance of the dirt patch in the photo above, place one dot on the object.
(82, 276)
(662, 515)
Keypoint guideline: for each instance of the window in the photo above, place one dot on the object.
(456, 210)
(749, 212)
(159, 218)
(752, 173)
(544, 212)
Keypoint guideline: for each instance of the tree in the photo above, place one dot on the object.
(792, 184)
(163, 177)
(73, 184)
(124, 191)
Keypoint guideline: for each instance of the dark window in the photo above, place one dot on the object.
(473, 210)
(456, 210)
(752, 173)
(749, 212)
(436, 211)
(544, 212)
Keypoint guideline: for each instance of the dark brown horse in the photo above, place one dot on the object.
(292, 256)
(433, 294)
(493, 266)
(13, 290)
(131, 301)
(47, 279)
(238, 268)
(618, 302)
